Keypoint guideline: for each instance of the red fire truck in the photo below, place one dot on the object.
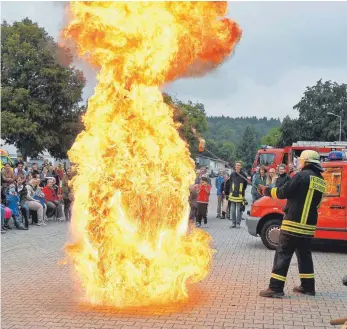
(272, 157)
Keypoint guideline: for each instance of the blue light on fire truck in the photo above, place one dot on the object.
(335, 156)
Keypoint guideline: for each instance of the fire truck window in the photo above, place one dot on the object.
(333, 179)
(266, 159)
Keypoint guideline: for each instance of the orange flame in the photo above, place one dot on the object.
(130, 216)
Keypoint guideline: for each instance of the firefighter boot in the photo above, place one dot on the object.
(271, 294)
(301, 290)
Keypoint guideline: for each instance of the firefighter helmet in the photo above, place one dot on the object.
(310, 156)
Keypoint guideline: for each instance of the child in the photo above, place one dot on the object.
(204, 190)
(193, 202)
(5, 214)
(12, 199)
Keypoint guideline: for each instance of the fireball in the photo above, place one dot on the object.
(131, 242)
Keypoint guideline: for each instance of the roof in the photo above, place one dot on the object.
(320, 144)
(213, 159)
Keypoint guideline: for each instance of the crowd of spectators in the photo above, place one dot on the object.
(273, 178)
(34, 195)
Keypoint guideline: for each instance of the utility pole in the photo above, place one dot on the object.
(340, 117)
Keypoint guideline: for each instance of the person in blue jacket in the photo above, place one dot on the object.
(219, 182)
(12, 200)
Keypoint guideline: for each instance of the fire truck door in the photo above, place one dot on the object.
(332, 212)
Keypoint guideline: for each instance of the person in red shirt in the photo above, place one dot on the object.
(204, 190)
(54, 206)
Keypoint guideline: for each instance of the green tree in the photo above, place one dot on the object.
(289, 131)
(314, 122)
(40, 96)
(227, 152)
(247, 148)
(222, 129)
(273, 138)
(192, 117)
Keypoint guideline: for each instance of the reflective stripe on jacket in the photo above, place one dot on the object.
(304, 193)
(238, 185)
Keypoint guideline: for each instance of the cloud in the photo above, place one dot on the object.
(285, 47)
(252, 98)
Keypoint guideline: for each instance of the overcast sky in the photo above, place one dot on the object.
(285, 47)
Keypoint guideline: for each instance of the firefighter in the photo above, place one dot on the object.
(304, 193)
(238, 184)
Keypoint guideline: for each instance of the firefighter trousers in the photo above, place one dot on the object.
(287, 245)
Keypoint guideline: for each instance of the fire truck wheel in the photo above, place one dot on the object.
(270, 233)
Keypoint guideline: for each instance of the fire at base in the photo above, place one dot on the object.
(130, 216)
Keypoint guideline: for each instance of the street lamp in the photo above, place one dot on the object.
(339, 116)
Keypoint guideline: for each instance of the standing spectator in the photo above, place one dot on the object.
(18, 160)
(219, 182)
(19, 171)
(282, 177)
(238, 185)
(60, 172)
(43, 177)
(256, 171)
(45, 164)
(34, 204)
(52, 200)
(260, 179)
(225, 194)
(204, 190)
(67, 194)
(12, 199)
(22, 193)
(292, 172)
(271, 178)
(35, 169)
(51, 171)
(203, 172)
(198, 177)
(193, 202)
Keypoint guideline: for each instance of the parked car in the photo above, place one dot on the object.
(266, 214)
(213, 174)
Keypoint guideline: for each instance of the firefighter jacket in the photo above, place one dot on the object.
(238, 184)
(304, 193)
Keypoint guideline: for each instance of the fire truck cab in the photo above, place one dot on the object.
(265, 217)
(272, 157)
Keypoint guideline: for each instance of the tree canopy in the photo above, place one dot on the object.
(40, 96)
(314, 122)
(190, 116)
(273, 138)
(247, 147)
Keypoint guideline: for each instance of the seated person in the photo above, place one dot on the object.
(33, 203)
(53, 204)
(12, 200)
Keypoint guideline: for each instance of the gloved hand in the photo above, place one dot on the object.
(262, 189)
